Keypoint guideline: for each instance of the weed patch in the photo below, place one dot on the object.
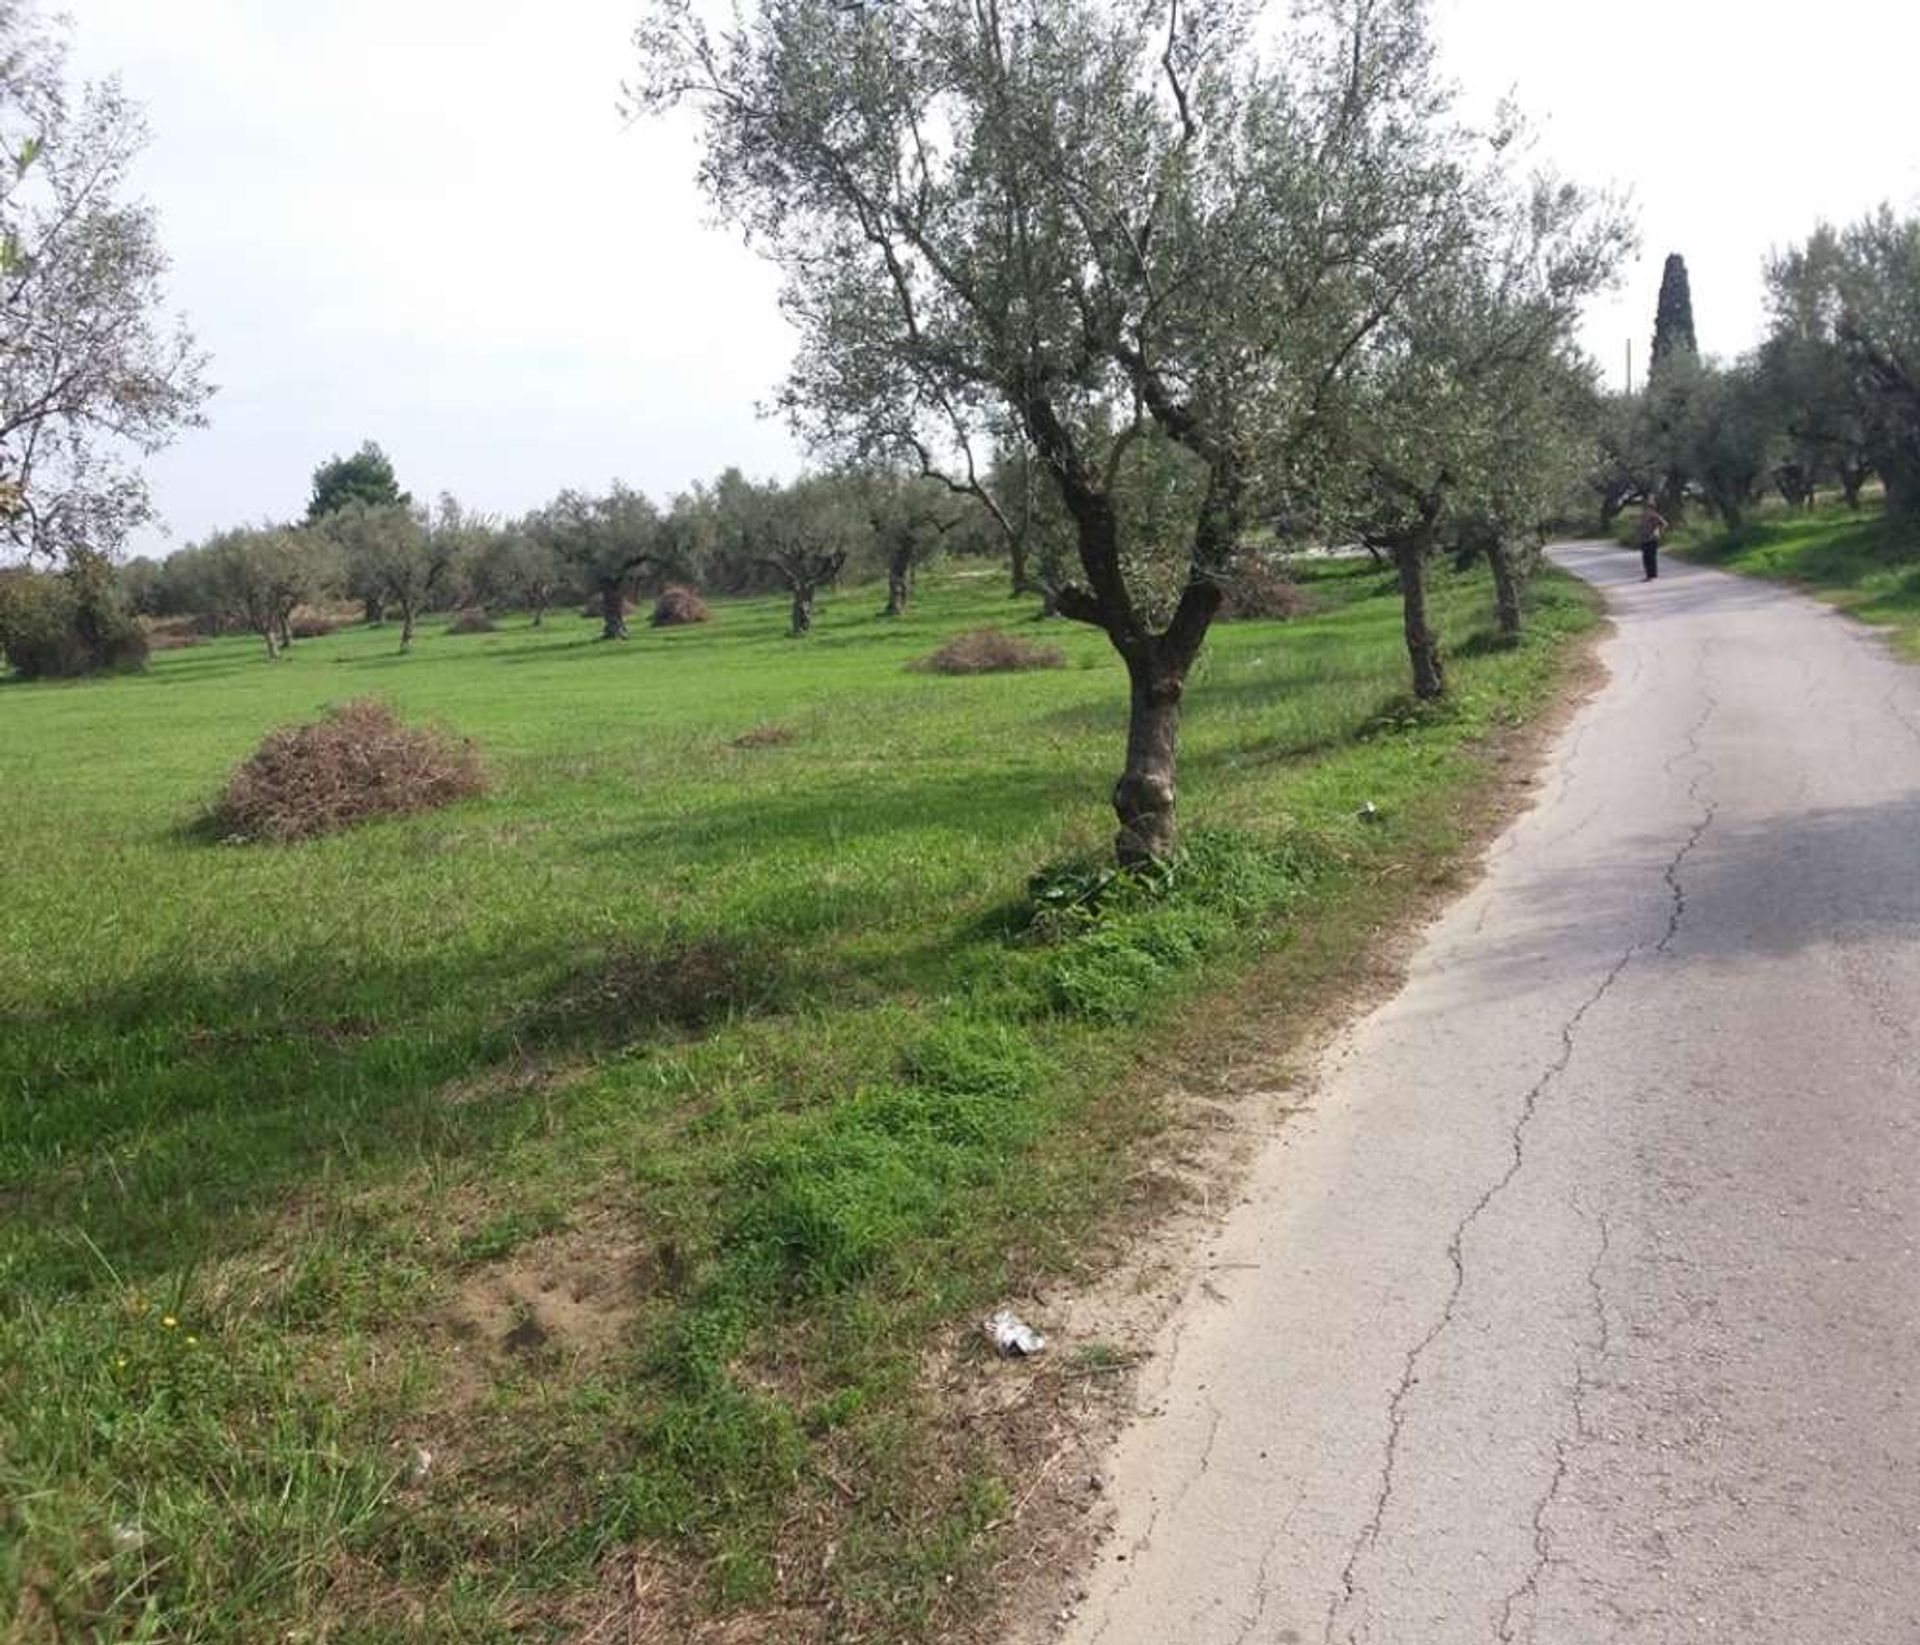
(631, 989)
(767, 736)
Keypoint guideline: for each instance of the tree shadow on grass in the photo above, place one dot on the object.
(157, 1126)
(829, 809)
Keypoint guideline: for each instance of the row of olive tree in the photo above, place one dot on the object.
(393, 558)
(1193, 260)
(1831, 397)
(740, 536)
(363, 540)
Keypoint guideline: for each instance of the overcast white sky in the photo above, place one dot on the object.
(420, 221)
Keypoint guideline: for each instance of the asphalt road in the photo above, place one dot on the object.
(1583, 1303)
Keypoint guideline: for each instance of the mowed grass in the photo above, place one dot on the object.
(1861, 561)
(400, 1225)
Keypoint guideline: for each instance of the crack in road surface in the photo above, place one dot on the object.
(1667, 1355)
(1564, 1446)
(1349, 1591)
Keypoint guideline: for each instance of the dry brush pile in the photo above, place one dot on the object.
(359, 761)
(989, 651)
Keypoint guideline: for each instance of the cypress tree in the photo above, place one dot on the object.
(1673, 317)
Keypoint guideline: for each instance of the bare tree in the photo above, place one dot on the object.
(89, 374)
(1128, 238)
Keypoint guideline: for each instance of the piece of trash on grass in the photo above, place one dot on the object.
(1012, 1335)
(1370, 813)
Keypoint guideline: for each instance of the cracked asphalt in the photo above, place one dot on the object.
(1582, 1302)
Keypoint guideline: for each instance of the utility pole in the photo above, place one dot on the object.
(1629, 367)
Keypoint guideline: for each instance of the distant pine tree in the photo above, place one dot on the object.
(1673, 317)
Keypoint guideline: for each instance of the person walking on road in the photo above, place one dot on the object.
(1651, 525)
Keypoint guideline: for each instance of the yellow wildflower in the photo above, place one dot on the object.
(168, 1322)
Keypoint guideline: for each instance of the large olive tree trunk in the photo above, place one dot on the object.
(1506, 588)
(1143, 798)
(1157, 667)
(899, 582)
(613, 611)
(1853, 476)
(1423, 645)
(406, 625)
(800, 618)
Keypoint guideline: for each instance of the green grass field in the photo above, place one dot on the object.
(1863, 562)
(621, 1138)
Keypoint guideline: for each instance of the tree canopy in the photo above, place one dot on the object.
(1673, 335)
(365, 477)
(92, 375)
(1145, 242)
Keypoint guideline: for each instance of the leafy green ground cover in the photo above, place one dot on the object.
(395, 1226)
(1861, 561)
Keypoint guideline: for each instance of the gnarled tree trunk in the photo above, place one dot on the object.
(406, 625)
(1423, 645)
(1794, 481)
(899, 583)
(1853, 476)
(800, 620)
(1506, 588)
(1143, 798)
(613, 612)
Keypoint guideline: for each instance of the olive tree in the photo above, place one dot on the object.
(910, 517)
(91, 376)
(1729, 437)
(1804, 376)
(256, 576)
(1105, 229)
(1457, 407)
(397, 556)
(1844, 350)
(509, 568)
(802, 534)
(604, 542)
(1624, 451)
